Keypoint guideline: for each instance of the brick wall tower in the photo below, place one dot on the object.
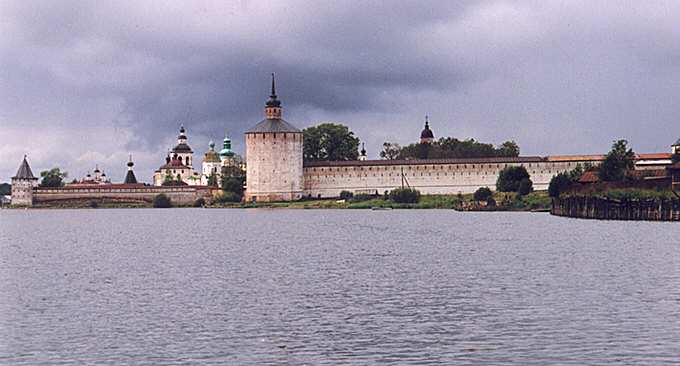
(273, 157)
(22, 185)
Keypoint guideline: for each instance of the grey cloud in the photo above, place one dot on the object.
(559, 77)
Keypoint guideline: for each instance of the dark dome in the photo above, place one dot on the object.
(181, 148)
(273, 102)
(427, 133)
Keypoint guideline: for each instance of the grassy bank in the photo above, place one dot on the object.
(535, 201)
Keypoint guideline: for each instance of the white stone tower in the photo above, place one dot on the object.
(22, 185)
(273, 157)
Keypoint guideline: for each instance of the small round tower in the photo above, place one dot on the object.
(273, 157)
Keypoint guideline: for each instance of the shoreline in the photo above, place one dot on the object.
(508, 202)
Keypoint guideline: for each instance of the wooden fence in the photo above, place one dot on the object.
(587, 207)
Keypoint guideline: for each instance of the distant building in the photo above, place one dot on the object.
(212, 165)
(426, 136)
(675, 148)
(178, 169)
(97, 177)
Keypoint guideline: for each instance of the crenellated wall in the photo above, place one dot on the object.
(182, 195)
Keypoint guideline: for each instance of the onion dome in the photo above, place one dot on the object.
(24, 171)
(96, 169)
(363, 149)
(427, 132)
(226, 151)
(211, 156)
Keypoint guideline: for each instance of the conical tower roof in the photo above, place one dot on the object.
(130, 177)
(24, 171)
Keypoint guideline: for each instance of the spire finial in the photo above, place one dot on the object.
(427, 121)
(273, 87)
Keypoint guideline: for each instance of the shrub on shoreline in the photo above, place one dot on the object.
(405, 195)
(482, 194)
(161, 201)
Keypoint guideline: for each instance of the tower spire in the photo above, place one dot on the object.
(272, 108)
(273, 87)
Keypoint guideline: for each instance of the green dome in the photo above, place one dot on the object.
(226, 148)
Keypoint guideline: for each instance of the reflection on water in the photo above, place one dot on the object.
(201, 286)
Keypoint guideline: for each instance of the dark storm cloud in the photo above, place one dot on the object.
(559, 77)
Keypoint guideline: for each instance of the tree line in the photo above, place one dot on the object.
(332, 142)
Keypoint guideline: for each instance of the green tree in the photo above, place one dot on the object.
(508, 148)
(330, 142)
(452, 148)
(5, 189)
(212, 180)
(227, 197)
(346, 195)
(482, 194)
(510, 178)
(161, 201)
(558, 184)
(232, 184)
(52, 178)
(617, 163)
(526, 186)
(390, 151)
(405, 195)
(233, 180)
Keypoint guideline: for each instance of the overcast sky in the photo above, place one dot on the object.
(85, 83)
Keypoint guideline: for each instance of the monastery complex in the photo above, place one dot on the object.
(275, 170)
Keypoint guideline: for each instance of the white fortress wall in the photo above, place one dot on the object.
(324, 179)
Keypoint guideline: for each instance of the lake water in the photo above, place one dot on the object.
(343, 287)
